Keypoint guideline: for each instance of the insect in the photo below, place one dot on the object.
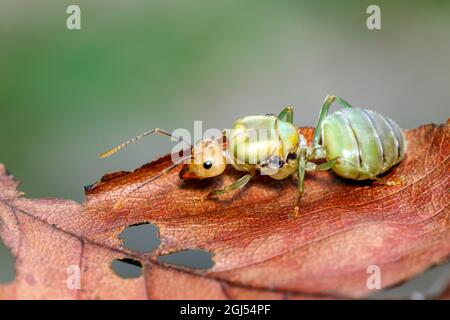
(357, 144)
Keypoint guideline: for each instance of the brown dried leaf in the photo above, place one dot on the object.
(446, 294)
(259, 252)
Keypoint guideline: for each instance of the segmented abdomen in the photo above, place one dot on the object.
(367, 143)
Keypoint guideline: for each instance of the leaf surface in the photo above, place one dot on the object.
(259, 250)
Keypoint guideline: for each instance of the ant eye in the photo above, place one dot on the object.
(207, 165)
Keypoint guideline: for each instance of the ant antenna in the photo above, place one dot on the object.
(153, 178)
(126, 143)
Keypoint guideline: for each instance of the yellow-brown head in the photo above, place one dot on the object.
(208, 160)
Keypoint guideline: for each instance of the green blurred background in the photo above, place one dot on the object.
(66, 95)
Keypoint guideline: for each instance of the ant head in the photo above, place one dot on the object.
(208, 160)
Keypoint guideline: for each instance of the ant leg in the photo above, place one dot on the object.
(301, 174)
(327, 165)
(287, 113)
(322, 115)
(238, 184)
(344, 103)
(301, 187)
(302, 168)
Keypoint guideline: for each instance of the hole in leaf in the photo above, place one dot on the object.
(191, 258)
(127, 268)
(7, 271)
(142, 237)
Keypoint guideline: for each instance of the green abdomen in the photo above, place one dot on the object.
(363, 139)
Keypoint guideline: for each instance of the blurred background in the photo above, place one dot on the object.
(66, 95)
